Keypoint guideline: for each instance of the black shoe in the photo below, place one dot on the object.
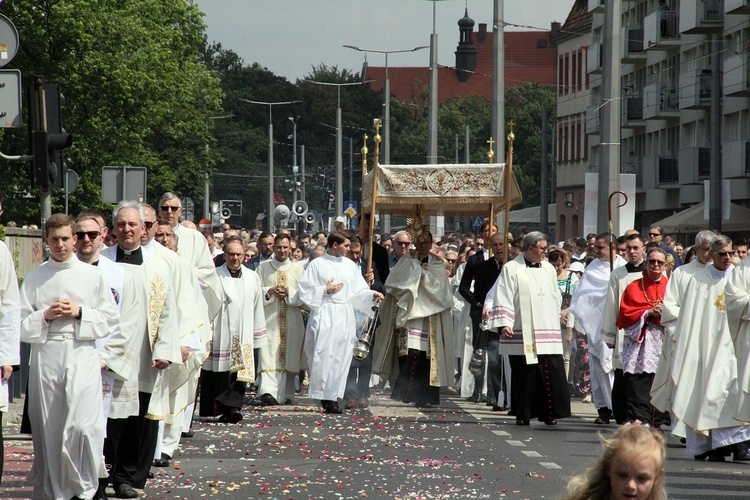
(522, 422)
(232, 417)
(268, 400)
(331, 407)
(741, 455)
(711, 456)
(125, 491)
(601, 420)
(101, 493)
(551, 421)
(163, 461)
(475, 398)
(187, 435)
(150, 475)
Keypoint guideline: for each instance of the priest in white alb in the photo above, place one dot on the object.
(704, 371)
(281, 357)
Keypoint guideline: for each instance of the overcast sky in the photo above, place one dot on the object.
(289, 37)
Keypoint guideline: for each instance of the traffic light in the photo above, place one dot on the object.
(48, 138)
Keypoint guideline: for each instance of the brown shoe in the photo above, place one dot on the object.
(363, 403)
(350, 404)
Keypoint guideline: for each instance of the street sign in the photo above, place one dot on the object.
(351, 208)
(234, 207)
(8, 41)
(112, 182)
(476, 222)
(10, 98)
(72, 179)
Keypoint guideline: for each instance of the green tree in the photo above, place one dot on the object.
(137, 92)
(523, 105)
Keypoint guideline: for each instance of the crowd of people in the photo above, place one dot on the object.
(136, 313)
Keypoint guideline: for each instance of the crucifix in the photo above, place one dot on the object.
(491, 153)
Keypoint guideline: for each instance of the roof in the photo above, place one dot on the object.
(525, 62)
(578, 21)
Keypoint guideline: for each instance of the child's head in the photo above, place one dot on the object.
(632, 466)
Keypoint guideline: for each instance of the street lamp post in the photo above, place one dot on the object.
(269, 215)
(387, 94)
(295, 168)
(206, 190)
(339, 147)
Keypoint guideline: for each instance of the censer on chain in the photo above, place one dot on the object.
(362, 347)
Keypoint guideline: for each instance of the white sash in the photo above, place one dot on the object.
(527, 323)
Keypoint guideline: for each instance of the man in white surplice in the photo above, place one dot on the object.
(524, 306)
(588, 307)
(280, 358)
(239, 328)
(704, 371)
(331, 287)
(663, 387)
(65, 306)
(158, 350)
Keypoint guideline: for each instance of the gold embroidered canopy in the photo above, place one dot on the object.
(449, 189)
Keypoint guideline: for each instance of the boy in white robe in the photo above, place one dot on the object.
(65, 306)
(10, 321)
(331, 287)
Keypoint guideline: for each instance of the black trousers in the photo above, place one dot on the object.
(2, 448)
(132, 444)
(221, 393)
(358, 380)
(413, 381)
(638, 400)
(497, 379)
(539, 390)
(619, 399)
(478, 340)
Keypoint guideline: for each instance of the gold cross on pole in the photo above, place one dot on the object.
(491, 153)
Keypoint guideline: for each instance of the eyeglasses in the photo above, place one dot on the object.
(149, 224)
(452, 261)
(655, 262)
(543, 249)
(654, 234)
(724, 254)
(168, 208)
(91, 234)
(403, 243)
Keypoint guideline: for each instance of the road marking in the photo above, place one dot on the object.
(534, 454)
(501, 433)
(550, 465)
(513, 442)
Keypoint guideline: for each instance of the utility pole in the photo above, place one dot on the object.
(715, 201)
(498, 79)
(543, 203)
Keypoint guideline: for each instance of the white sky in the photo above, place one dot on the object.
(289, 37)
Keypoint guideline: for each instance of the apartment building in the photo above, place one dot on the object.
(666, 52)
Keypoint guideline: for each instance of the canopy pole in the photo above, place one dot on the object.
(507, 188)
(375, 171)
(364, 152)
(611, 228)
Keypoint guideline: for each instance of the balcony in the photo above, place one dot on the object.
(660, 101)
(632, 44)
(736, 76)
(634, 167)
(650, 170)
(695, 89)
(596, 6)
(736, 7)
(695, 164)
(595, 58)
(701, 16)
(593, 119)
(735, 158)
(632, 112)
(668, 173)
(658, 36)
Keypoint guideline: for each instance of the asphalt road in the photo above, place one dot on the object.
(392, 450)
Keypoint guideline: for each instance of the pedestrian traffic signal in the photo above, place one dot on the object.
(48, 137)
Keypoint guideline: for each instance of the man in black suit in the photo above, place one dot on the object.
(379, 254)
(470, 274)
(265, 251)
(357, 392)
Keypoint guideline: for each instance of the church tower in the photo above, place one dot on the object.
(466, 53)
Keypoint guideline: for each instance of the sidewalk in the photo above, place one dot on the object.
(18, 455)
